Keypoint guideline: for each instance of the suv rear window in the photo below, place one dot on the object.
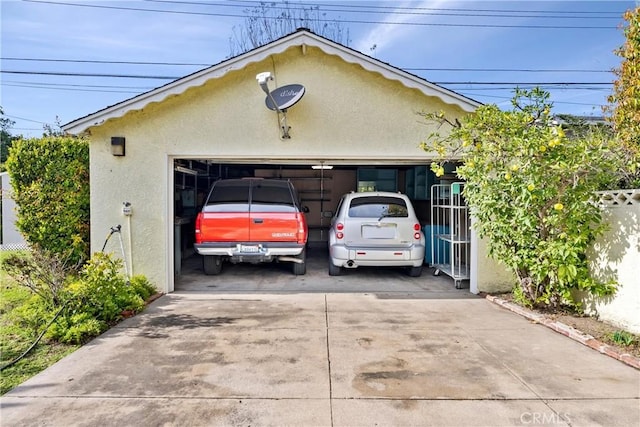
(378, 207)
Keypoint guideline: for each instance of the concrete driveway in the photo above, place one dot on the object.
(418, 352)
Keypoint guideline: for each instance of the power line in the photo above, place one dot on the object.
(524, 83)
(555, 102)
(76, 85)
(407, 11)
(358, 6)
(523, 70)
(493, 88)
(509, 70)
(69, 74)
(138, 76)
(90, 61)
(346, 21)
(72, 89)
(26, 120)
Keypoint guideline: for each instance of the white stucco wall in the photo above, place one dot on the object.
(613, 256)
(346, 115)
(616, 256)
(488, 275)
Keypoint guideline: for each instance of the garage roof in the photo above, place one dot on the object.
(302, 37)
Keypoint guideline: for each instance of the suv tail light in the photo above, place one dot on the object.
(339, 228)
(417, 228)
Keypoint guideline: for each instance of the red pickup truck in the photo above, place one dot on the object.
(251, 220)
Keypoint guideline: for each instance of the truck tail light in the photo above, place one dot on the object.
(417, 228)
(198, 225)
(339, 228)
(302, 229)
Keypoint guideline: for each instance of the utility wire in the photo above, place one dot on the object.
(45, 84)
(359, 6)
(524, 83)
(69, 74)
(406, 11)
(22, 118)
(91, 61)
(137, 76)
(72, 89)
(346, 21)
(195, 64)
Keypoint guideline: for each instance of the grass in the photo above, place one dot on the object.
(623, 338)
(16, 339)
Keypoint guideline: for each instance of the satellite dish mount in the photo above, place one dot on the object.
(280, 99)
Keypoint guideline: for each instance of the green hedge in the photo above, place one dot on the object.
(50, 179)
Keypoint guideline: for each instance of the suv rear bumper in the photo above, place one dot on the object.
(347, 256)
(246, 250)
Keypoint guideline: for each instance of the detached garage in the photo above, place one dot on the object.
(354, 127)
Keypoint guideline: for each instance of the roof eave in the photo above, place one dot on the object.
(299, 38)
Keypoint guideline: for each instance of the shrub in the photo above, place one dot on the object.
(43, 273)
(50, 178)
(32, 315)
(531, 190)
(88, 302)
(142, 287)
(102, 291)
(76, 328)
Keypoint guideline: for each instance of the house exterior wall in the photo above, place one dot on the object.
(488, 275)
(616, 256)
(346, 115)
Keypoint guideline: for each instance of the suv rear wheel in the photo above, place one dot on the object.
(414, 271)
(212, 264)
(333, 270)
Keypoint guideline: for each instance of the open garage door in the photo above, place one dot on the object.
(320, 185)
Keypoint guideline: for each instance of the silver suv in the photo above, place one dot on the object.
(376, 229)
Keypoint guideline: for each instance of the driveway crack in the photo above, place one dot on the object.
(326, 321)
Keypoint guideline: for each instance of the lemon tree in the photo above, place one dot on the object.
(530, 187)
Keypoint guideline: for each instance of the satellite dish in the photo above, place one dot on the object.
(284, 97)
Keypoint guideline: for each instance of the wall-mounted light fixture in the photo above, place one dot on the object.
(323, 166)
(117, 145)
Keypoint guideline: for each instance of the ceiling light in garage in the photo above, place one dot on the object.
(186, 170)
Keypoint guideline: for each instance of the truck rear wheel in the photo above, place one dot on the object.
(300, 268)
(212, 264)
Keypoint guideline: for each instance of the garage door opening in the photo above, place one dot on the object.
(320, 187)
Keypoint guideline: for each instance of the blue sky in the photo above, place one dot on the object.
(481, 49)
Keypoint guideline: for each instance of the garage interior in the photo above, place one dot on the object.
(320, 186)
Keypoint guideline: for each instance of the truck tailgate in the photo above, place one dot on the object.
(274, 227)
(225, 227)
